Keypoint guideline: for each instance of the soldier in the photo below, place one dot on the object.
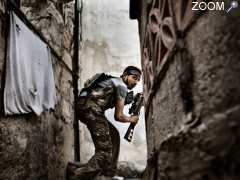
(100, 93)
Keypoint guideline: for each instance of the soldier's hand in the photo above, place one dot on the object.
(134, 119)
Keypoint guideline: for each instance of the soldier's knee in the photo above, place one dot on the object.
(115, 137)
(113, 131)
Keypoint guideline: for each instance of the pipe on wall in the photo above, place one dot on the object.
(75, 68)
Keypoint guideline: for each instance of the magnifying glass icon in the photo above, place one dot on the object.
(234, 4)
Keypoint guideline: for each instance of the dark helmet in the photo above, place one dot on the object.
(132, 70)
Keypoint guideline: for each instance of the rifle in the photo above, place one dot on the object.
(134, 110)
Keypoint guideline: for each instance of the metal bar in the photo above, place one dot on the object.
(3, 74)
(75, 68)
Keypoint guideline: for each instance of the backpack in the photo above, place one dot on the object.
(92, 82)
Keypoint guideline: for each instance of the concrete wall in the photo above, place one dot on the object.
(34, 147)
(110, 43)
(193, 112)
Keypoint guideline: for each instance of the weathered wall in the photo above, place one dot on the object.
(34, 147)
(191, 66)
(110, 43)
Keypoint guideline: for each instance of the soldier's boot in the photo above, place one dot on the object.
(85, 173)
(71, 167)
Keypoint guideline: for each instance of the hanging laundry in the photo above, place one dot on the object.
(29, 82)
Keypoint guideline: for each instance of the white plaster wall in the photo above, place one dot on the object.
(110, 43)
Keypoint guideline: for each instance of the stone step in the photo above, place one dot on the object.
(109, 178)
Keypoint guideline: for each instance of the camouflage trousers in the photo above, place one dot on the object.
(106, 140)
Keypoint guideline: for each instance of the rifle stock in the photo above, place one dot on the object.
(129, 134)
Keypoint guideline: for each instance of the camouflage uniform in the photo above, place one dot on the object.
(105, 136)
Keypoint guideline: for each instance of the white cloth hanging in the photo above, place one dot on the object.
(29, 82)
